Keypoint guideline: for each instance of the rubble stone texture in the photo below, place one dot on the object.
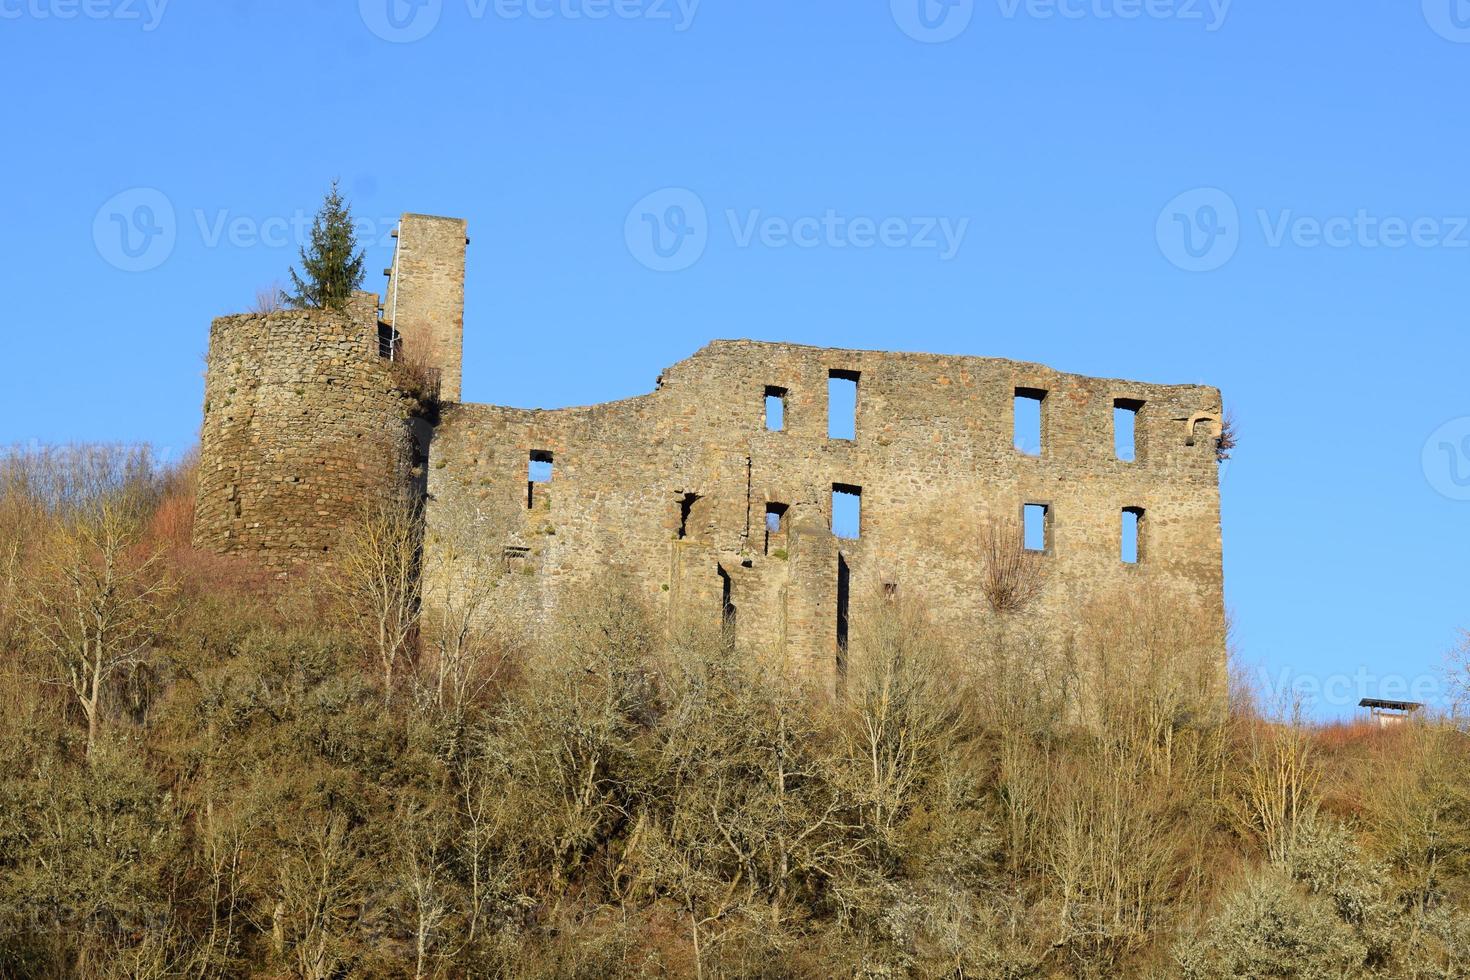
(673, 489)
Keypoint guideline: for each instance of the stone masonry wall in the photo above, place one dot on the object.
(302, 424)
(424, 300)
(672, 489)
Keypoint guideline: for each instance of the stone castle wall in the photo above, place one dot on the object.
(303, 423)
(672, 489)
(304, 420)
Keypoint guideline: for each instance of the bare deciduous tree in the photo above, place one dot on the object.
(374, 581)
(423, 852)
(458, 583)
(97, 604)
(318, 894)
(1278, 783)
(903, 707)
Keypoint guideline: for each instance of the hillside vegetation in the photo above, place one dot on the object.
(205, 772)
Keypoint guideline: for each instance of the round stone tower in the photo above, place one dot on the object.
(304, 422)
(309, 415)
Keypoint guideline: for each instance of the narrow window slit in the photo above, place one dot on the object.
(727, 605)
(844, 590)
(1132, 552)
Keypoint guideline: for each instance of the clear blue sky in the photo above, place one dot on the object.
(1054, 139)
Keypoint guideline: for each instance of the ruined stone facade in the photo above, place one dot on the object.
(714, 508)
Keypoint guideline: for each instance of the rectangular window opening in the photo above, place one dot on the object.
(775, 525)
(1132, 535)
(537, 471)
(842, 394)
(775, 409)
(1125, 428)
(1036, 519)
(847, 510)
(1028, 410)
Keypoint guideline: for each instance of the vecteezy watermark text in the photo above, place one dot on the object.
(1201, 230)
(669, 230)
(1344, 690)
(937, 21)
(138, 229)
(405, 21)
(1210, 14)
(148, 13)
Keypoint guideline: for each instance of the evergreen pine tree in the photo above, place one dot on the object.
(332, 263)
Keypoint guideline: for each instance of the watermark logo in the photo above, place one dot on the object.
(401, 21)
(668, 230)
(933, 21)
(1199, 231)
(1344, 690)
(136, 231)
(1449, 18)
(1446, 459)
(406, 21)
(1210, 13)
(148, 13)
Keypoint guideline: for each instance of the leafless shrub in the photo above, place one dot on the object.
(415, 376)
(904, 707)
(269, 299)
(1457, 677)
(1268, 928)
(1416, 793)
(63, 479)
(1277, 792)
(1225, 444)
(374, 581)
(1011, 577)
(63, 509)
(464, 656)
(95, 600)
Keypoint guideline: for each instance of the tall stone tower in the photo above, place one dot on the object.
(308, 415)
(425, 298)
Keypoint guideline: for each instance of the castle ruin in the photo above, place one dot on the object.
(733, 493)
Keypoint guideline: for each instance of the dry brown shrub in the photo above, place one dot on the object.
(1011, 577)
(1229, 434)
(415, 376)
(373, 583)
